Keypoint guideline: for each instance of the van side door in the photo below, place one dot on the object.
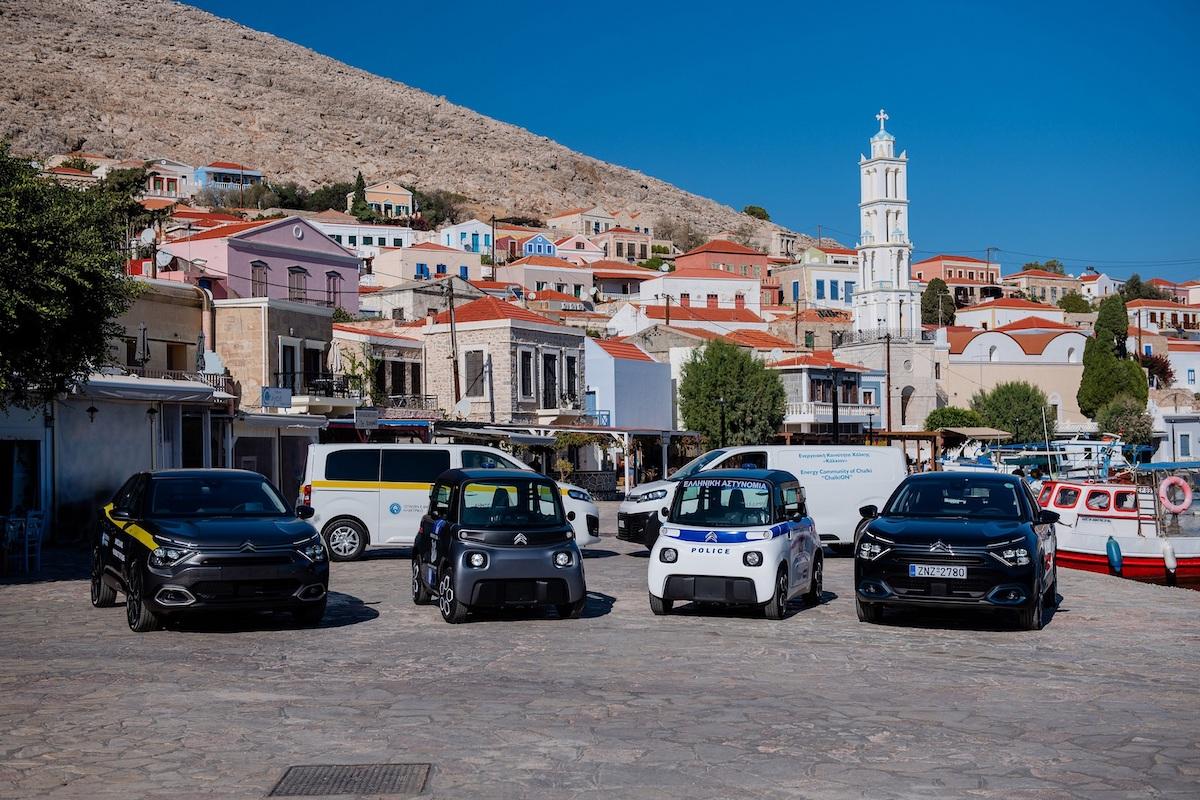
(407, 477)
(349, 487)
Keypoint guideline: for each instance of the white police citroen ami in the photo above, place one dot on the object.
(736, 537)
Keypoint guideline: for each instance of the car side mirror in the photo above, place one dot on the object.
(796, 516)
(869, 512)
(305, 512)
(571, 516)
(121, 514)
(665, 512)
(1048, 517)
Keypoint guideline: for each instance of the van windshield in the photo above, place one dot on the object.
(510, 503)
(722, 503)
(695, 465)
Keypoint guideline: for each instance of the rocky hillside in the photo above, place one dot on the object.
(145, 78)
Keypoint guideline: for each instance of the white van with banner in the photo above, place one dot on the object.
(374, 495)
(837, 480)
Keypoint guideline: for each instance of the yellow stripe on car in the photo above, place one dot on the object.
(134, 530)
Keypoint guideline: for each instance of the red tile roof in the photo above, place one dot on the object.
(944, 257)
(1161, 304)
(1034, 323)
(69, 171)
(724, 246)
(1038, 273)
(1089, 277)
(703, 314)
(1012, 302)
(623, 350)
(369, 289)
(224, 231)
(759, 340)
(157, 203)
(543, 261)
(838, 251)
(232, 165)
(1034, 344)
(818, 358)
(1183, 346)
(434, 246)
(569, 212)
(489, 309)
(552, 294)
(619, 229)
(493, 285)
(338, 326)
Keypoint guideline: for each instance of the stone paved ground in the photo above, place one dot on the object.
(1101, 704)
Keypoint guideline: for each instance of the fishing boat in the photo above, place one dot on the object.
(1147, 529)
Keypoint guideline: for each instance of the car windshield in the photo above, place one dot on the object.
(695, 465)
(954, 496)
(722, 503)
(511, 503)
(214, 496)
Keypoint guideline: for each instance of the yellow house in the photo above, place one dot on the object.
(387, 198)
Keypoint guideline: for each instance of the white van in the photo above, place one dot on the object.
(837, 481)
(374, 495)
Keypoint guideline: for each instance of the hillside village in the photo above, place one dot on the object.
(262, 330)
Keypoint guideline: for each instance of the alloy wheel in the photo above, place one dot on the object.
(343, 540)
(445, 595)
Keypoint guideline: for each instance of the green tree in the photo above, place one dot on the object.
(953, 417)
(1112, 324)
(360, 188)
(1049, 265)
(654, 262)
(438, 206)
(526, 221)
(758, 212)
(1074, 303)
(1137, 289)
(1107, 371)
(78, 162)
(62, 279)
(753, 395)
(330, 196)
(937, 304)
(1016, 407)
(1127, 416)
(679, 231)
(1159, 368)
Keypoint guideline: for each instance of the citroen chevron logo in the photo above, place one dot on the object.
(520, 539)
(711, 536)
(941, 547)
(248, 546)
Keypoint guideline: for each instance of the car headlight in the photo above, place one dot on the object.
(562, 559)
(871, 547)
(476, 560)
(579, 494)
(668, 555)
(1011, 556)
(657, 494)
(313, 549)
(168, 556)
(752, 558)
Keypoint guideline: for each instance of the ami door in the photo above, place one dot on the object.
(405, 481)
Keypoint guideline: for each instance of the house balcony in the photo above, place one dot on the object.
(223, 384)
(412, 406)
(320, 392)
(823, 412)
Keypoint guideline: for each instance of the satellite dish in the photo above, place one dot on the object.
(148, 236)
(462, 407)
(533, 295)
(162, 258)
(664, 268)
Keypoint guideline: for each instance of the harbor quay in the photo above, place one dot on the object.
(1101, 703)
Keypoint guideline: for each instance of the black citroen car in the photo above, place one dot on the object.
(189, 540)
(496, 538)
(957, 539)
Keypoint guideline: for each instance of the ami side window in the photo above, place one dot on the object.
(789, 503)
(414, 466)
(440, 498)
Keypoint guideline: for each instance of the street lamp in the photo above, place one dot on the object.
(870, 426)
(721, 403)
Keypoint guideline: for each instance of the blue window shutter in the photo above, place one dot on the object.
(833, 290)
(795, 291)
(463, 272)
(820, 290)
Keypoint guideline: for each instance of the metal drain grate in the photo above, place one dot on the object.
(326, 779)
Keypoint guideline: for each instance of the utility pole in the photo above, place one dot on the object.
(837, 433)
(796, 326)
(453, 341)
(818, 235)
(492, 247)
(887, 338)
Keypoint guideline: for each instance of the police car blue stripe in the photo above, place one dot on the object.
(725, 537)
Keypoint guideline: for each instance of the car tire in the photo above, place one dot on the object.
(816, 587)
(868, 612)
(1050, 598)
(103, 595)
(776, 607)
(311, 614)
(660, 607)
(346, 539)
(1030, 617)
(138, 614)
(420, 595)
(572, 610)
(453, 611)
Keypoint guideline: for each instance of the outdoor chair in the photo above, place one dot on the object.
(14, 536)
(34, 527)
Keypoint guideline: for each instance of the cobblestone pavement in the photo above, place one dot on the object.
(1100, 704)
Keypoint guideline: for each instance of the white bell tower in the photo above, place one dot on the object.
(884, 299)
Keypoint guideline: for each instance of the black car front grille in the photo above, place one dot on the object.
(232, 591)
(963, 589)
(521, 592)
(593, 525)
(245, 561)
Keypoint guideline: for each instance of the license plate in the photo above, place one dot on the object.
(936, 571)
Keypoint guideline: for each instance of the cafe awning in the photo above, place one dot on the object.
(134, 387)
(489, 434)
(978, 433)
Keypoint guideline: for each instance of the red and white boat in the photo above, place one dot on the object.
(1142, 532)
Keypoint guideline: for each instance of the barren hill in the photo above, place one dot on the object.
(152, 78)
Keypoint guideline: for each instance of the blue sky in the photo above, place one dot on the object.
(1065, 130)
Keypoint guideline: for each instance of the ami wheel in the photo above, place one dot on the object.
(453, 611)
(420, 594)
(660, 607)
(816, 587)
(776, 607)
(103, 595)
(572, 610)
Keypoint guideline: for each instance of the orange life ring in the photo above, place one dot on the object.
(1165, 499)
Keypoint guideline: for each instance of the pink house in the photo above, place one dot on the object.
(284, 258)
(728, 256)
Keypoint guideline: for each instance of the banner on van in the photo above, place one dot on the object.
(726, 483)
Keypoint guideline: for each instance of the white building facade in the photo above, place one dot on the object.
(885, 297)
